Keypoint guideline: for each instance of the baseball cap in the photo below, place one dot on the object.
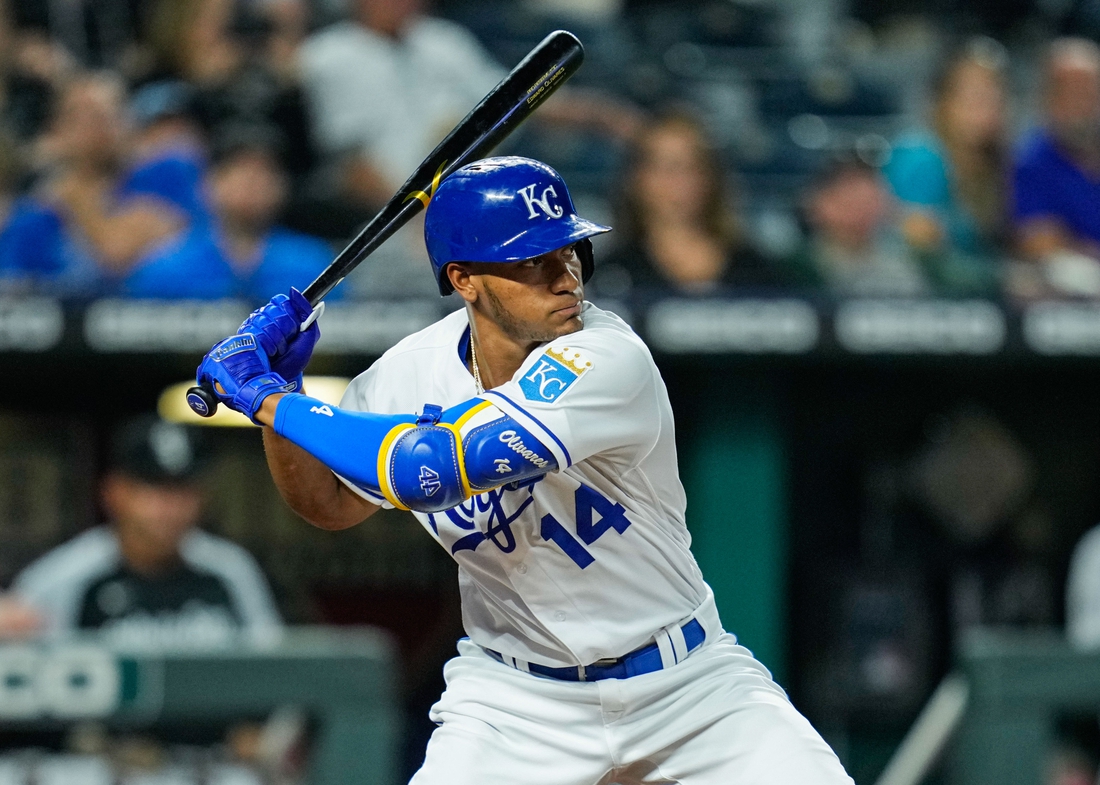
(236, 137)
(153, 450)
(158, 100)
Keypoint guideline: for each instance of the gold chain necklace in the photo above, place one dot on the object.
(477, 371)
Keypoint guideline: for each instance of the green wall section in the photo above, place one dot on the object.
(734, 471)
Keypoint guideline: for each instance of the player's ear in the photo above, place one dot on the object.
(460, 277)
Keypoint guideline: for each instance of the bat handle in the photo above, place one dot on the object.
(202, 401)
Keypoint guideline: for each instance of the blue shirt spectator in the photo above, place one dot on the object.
(170, 157)
(1048, 185)
(199, 267)
(918, 175)
(38, 244)
(37, 248)
(951, 180)
(1056, 200)
(173, 176)
(102, 208)
(240, 252)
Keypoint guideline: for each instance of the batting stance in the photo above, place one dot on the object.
(532, 436)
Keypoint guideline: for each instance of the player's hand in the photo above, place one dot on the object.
(239, 373)
(278, 328)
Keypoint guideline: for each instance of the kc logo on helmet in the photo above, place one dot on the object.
(543, 202)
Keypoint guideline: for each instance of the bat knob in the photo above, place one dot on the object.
(202, 401)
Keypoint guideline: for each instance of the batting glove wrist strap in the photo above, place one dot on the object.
(251, 395)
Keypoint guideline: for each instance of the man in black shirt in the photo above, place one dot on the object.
(150, 576)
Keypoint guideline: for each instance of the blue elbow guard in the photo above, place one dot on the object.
(497, 450)
(429, 463)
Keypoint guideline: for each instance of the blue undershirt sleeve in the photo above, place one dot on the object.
(345, 441)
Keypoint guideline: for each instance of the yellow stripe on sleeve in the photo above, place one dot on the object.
(467, 491)
(384, 454)
(470, 414)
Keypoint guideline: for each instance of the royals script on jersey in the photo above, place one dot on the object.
(583, 563)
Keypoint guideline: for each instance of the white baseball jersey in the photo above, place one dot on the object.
(586, 562)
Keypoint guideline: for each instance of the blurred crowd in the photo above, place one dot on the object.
(209, 149)
(228, 148)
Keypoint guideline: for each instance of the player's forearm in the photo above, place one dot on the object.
(310, 487)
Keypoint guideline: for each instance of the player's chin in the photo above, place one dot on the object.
(569, 321)
(548, 331)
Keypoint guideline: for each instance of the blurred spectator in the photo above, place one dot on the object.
(240, 61)
(11, 168)
(149, 576)
(239, 252)
(1057, 176)
(192, 40)
(386, 85)
(952, 179)
(676, 229)
(94, 216)
(94, 33)
(855, 247)
(169, 155)
(31, 68)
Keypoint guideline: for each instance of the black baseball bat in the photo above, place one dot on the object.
(539, 74)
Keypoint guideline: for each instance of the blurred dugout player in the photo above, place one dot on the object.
(150, 576)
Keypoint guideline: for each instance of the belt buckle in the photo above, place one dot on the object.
(606, 662)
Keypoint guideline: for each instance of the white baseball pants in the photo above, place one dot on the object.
(716, 718)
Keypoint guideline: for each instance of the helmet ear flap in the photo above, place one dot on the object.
(444, 281)
(588, 260)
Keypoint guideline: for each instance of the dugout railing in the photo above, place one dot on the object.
(995, 718)
(343, 681)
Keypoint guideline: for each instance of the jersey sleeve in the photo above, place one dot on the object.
(585, 394)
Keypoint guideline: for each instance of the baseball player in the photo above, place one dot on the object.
(531, 435)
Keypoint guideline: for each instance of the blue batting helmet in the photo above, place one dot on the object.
(503, 210)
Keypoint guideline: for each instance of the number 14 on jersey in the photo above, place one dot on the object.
(612, 516)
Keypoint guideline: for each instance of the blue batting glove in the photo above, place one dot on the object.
(239, 373)
(277, 326)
